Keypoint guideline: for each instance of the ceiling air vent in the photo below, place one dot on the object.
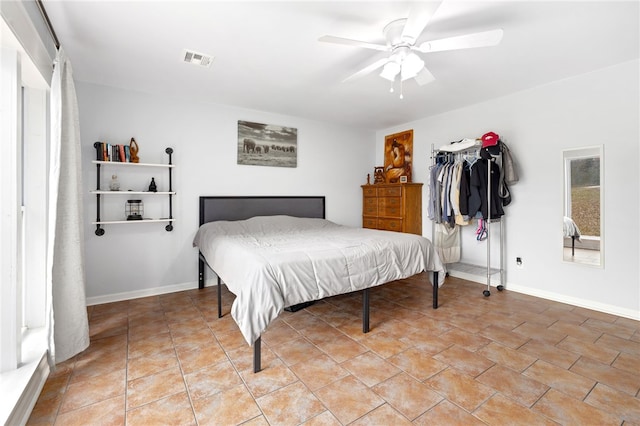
(191, 57)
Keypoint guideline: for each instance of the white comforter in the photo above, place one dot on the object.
(273, 262)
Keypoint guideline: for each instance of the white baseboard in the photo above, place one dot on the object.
(118, 297)
(556, 297)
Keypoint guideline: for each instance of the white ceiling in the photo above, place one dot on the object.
(267, 56)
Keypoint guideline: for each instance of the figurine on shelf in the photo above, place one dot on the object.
(152, 186)
(114, 185)
(133, 150)
(378, 175)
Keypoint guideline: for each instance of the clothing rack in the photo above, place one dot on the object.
(489, 271)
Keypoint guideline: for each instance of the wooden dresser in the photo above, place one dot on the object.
(393, 207)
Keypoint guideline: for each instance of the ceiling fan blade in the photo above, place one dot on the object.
(350, 42)
(366, 70)
(483, 39)
(424, 77)
(419, 17)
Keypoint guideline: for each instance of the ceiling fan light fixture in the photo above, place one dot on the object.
(411, 66)
(390, 71)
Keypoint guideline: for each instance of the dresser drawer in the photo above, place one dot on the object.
(390, 191)
(370, 222)
(390, 206)
(369, 191)
(370, 206)
(390, 224)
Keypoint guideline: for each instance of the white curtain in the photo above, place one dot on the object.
(66, 306)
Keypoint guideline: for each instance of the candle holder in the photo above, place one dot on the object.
(134, 209)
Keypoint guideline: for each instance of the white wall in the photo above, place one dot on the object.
(137, 259)
(601, 107)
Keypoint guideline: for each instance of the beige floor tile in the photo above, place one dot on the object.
(625, 406)
(460, 388)
(242, 356)
(500, 410)
(98, 388)
(611, 376)
(212, 379)
(108, 412)
(540, 332)
(383, 415)
(370, 369)
(565, 381)
(627, 362)
(514, 385)
(279, 333)
(570, 411)
(292, 404)
(506, 356)
(176, 343)
(348, 399)
(197, 358)
(150, 345)
(296, 350)
(153, 387)
(323, 419)
(417, 363)
(615, 329)
(471, 363)
(319, 371)
(229, 407)
(576, 330)
(154, 363)
(547, 352)
(273, 376)
(342, 348)
(504, 337)
(619, 344)
(447, 413)
(590, 350)
(407, 395)
(172, 410)
(384, 344)
(469, 341)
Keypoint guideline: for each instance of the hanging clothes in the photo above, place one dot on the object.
(480, 204)
(447, 243)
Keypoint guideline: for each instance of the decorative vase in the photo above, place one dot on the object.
(114, 185)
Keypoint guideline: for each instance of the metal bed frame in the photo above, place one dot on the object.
(214, 208)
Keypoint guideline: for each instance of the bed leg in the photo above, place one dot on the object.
(200, 273)
(365, 310)
(219, 298)
(573, 246)
(435, 289)
(256, 356)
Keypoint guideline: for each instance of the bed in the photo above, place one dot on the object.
(570, 230)
(278, 252)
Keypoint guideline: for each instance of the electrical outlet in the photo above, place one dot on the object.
(519, 262)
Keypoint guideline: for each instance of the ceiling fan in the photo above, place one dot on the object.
(401, 35)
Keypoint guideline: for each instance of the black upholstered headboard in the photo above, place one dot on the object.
(241, 208)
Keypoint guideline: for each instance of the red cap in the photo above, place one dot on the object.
(489, 139)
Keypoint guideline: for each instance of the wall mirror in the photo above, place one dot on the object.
(583, 206)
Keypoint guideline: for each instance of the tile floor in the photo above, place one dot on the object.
(506, 359)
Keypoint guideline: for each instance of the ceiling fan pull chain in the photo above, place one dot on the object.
(401, 95)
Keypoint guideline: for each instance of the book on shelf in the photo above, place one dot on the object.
(112, 153)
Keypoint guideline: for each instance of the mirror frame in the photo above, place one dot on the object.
(572, 154)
